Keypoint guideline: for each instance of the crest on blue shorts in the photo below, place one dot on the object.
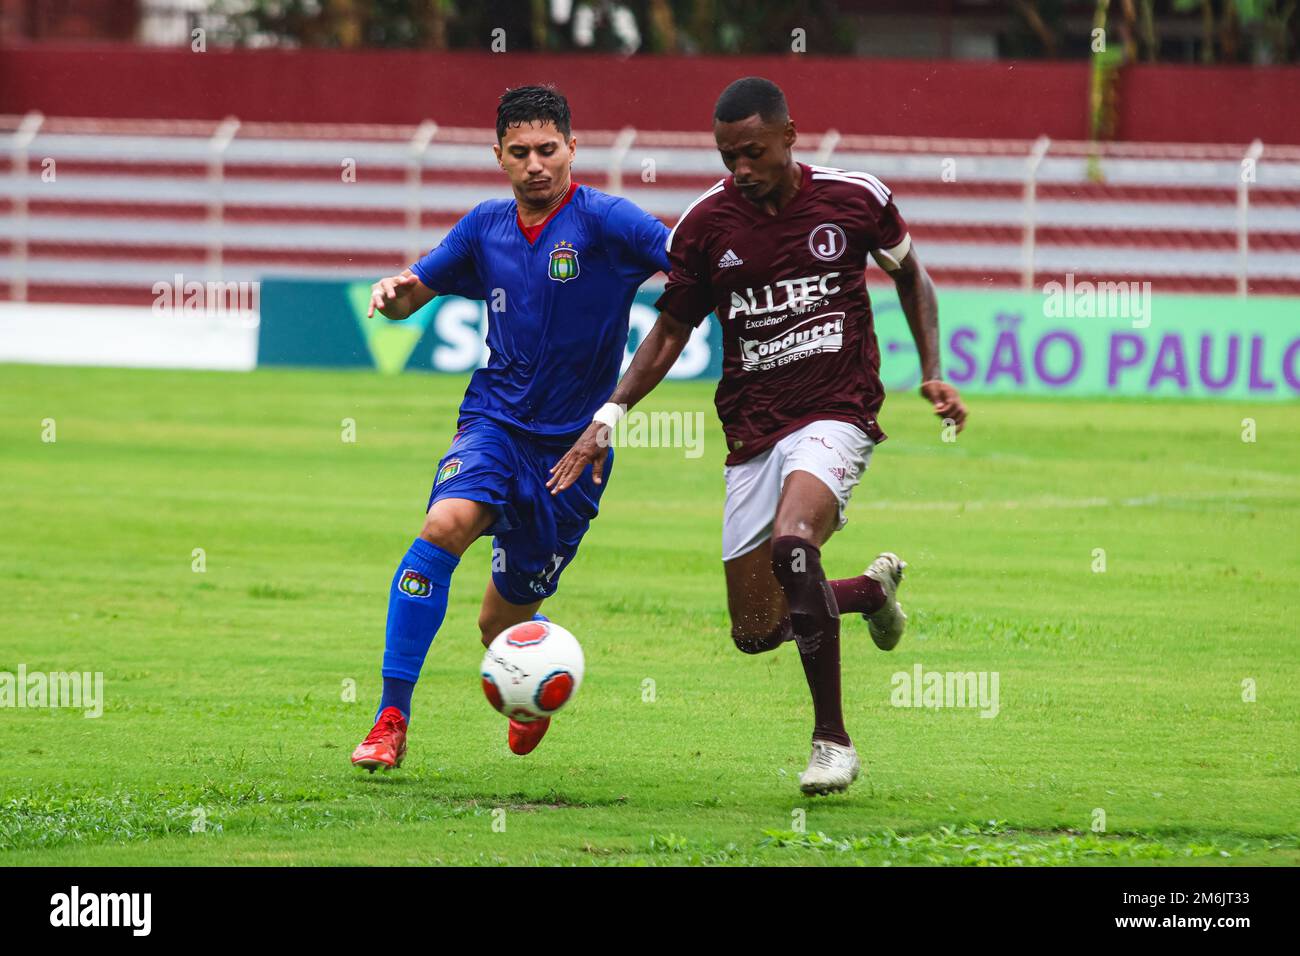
(449, 470)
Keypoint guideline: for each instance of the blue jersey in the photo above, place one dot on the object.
(557, 308)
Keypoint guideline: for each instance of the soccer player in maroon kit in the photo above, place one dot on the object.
(778, 251)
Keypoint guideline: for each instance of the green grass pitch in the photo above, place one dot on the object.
(228, 721)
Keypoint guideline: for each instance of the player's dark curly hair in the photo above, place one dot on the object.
(529, 104)
(750, 95)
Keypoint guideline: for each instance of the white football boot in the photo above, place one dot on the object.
(887, 624)
(831, 768)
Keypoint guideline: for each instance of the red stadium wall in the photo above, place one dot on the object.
(1219, 104)
(1010, 99)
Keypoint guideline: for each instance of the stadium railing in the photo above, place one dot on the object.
(100, 210)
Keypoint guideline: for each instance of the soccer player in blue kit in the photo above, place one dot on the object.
(559, 265)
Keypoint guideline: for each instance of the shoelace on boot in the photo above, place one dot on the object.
(823, 757)
(385, 726)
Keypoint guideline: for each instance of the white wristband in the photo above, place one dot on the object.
(609, 414)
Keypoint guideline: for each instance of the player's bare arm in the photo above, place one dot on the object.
(399, 297)
(916, 294)
(653, 358)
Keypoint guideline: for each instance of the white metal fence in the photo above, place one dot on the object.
(99, 210)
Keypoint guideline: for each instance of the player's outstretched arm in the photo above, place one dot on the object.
(400, 296)
(650, 364)
(916, 294)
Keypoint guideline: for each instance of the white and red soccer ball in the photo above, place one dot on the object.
(532, 670)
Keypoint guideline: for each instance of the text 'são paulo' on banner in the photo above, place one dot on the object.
(1063, 342)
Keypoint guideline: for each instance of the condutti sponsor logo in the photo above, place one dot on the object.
(823, 333)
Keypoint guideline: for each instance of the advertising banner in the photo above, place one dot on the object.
(1088, 342)
(1068, 339)
(310, 322)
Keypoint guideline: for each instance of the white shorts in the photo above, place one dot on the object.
(836, 452)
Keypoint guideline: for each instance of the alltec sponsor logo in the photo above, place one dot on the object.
(790, 294)
(75, 908)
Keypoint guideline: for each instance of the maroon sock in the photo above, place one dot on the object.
(815, 619)
(822, 670)
(858, 595)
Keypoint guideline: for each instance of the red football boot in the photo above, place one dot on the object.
(524, 737)
(385, 745)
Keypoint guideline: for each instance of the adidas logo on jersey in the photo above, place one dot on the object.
(729, 260)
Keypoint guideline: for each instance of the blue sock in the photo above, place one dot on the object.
(397, 693)
(417, 603)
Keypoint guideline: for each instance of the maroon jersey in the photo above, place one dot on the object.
(790, 293)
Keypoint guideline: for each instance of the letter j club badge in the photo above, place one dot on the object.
(564, 262)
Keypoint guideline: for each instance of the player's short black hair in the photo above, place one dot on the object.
(533, 104)
(750, 95)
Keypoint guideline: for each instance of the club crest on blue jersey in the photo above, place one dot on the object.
(564, 262)
(450, 470)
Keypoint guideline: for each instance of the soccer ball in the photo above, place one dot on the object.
(531, 670)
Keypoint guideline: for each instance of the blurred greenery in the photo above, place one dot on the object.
(1208, 31)
(658, 26)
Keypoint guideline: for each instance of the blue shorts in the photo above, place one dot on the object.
(536, 534)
